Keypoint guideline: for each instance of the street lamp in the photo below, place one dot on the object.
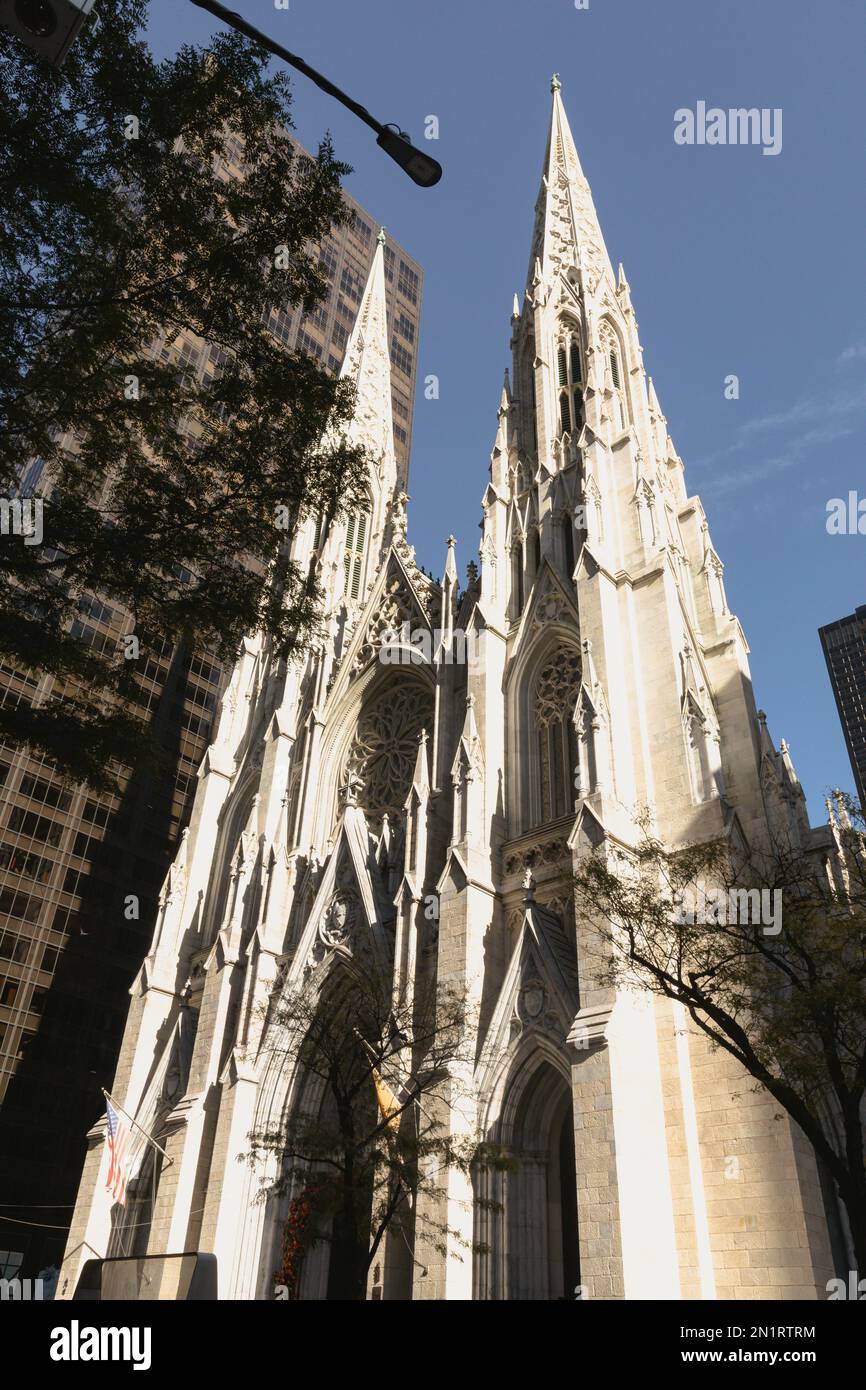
(419, 166)
(48, 27)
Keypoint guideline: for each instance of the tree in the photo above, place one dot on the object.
(170, 478)
(367, 1132)
(766, 949)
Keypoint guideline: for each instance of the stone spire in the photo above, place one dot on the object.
(567, 231)
(367, 363)
(421, 778)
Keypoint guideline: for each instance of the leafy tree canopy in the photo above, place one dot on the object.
(366, 1149)
(765, 946)
(169, 483)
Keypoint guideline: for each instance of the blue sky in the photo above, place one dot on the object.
(739, 263)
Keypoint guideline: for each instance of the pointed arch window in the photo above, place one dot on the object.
(556, 692)
(697, 740)
(568, 543)
(529, 379)
(517, 579)
(570, 382)
(612, 354)
(353, 557)
(413, 836)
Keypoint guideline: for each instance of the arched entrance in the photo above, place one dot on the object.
(327, 1141)
(527, 1217)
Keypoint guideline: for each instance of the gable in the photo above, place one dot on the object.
(351, 913)
(539, 993)
(394, 606)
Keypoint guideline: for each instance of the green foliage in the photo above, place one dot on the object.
(357, 1166)
(163, 484)
(788, 1000)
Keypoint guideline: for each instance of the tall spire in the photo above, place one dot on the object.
(367, 362)
(567, 231)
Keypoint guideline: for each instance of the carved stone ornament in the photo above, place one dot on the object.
(551, 608)
(338, 924)
(533, 998)
(394, 610)
(554, 851)
(384, 750)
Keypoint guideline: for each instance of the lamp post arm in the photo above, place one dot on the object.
(420, 167)
(236, 21)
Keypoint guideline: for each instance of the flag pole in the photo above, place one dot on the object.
(148, 1137)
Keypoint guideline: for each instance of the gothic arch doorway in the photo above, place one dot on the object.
(327, 1161)
(527, 1222)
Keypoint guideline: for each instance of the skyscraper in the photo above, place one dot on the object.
(844, 644)
(424, 819)
(68, 858)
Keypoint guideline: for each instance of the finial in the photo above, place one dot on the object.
(528, 887)
(470, 701)
(555, 83)
(353, 789)
(452, 541)
(842, 809)
(762, 718)
(381, 237)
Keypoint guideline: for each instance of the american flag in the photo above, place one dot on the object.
(117, 1138)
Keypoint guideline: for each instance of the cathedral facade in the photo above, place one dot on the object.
(590, 666)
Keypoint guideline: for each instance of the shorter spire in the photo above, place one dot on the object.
(654, 400)
(450, 576)
(421, 780)
(842, 809)
(623, 289)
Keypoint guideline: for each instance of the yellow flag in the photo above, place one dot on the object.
(388, 1102)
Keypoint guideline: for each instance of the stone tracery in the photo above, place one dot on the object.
(556, 692)
(385, 746)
